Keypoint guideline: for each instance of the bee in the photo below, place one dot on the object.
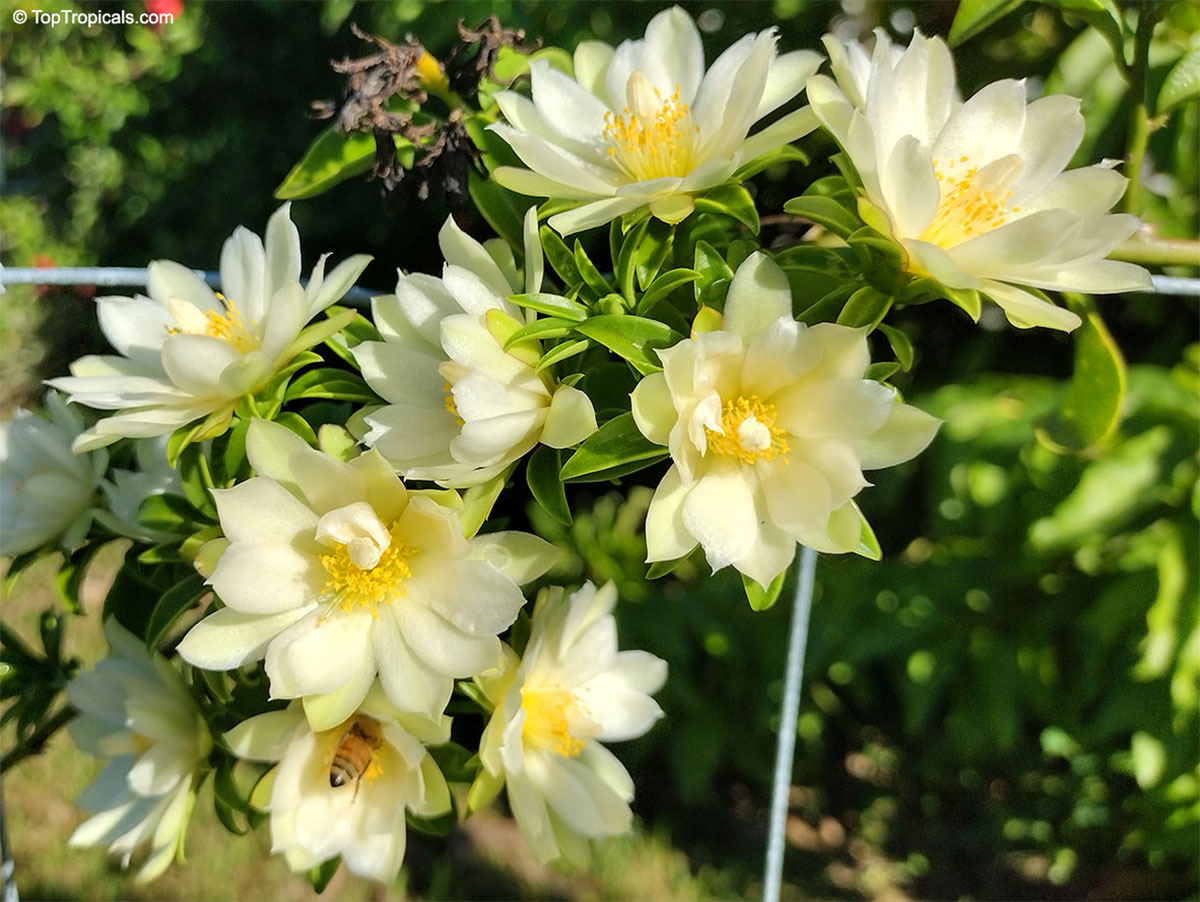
(352, 756)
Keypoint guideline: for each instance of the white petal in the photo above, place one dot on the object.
(264, 737)
(137, 327)
(591, 64)
(786, 78)
(444, 648)
(195, 362)
(905, 434)
(167, 280)
(410, 684)
(227, 639)
(667, 536)
(758, 295)
(267, 577)
(464, 252)
(261, 508)
(282, 251)
(719, 512)
(320, 654)
(594, 214)
(570, 420)
(243, 273)
(653, 410)
(1025, 310)
(520, 556)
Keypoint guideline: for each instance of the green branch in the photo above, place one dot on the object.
(38, 739)
(1139, 122)
(1159, 251)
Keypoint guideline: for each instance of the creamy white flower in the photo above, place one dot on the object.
(646, 125)
(770, 424)
(46, 492)
(336, 573)
(135, 709)
(571, 691)
(125, 490)
(461, 407)
(976, 192)
(363, 818)
(187, 352)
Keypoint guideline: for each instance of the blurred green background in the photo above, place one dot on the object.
(1005, 707)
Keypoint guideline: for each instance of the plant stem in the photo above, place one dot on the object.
(39, 738)
(1153, 251)
(785, 748)
(1139, 122)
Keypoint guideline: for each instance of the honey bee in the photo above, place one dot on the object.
(352, 756)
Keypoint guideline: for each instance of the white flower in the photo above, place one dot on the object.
(125, 490)
(135, 709)
(46, 492)
(646, 125)
(462, 408)
(770, 425)
(187, 352)
(975, 192)
(383, 770)
(571, 691)
(336, 573)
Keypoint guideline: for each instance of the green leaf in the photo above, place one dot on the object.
(733, 200)
(503, 210)
(560, 258)
(320, 875)
(965, 298)
(333, 157)
(652, 251)
(196, 480)
(662, 286)
(826, 212)
(479, 500)
(615, 446)
(827, 308)
(901, 346)
(172, 605)
(541, 474)
(547, 327)
(561, 352)
(973, 16)
(866, 307)
(1091, 407)
(632, 337)
(166, 513)
(868, 545)
(298, 424)
(787, 153)
(552, 305)
(625, 270)
(589, 273)
(1103, 15)
(880, 259)
(1182, 82)
(715, 276)
(332, 384)
(70, 575)
(763, 599)
(882, 371)
(659, 569)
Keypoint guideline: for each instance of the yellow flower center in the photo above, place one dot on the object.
(449, 404)
(967, 207)
(350, 586)
(229, 326)
(547, 720)
(653, 136)
(748, 432)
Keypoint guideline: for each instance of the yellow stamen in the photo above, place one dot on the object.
(653, 137)
(350, 587)
(748, 432)
(449, 404)
(228, 326)
(547, 721)
(967, 208)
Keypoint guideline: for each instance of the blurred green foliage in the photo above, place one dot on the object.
(1006, 706)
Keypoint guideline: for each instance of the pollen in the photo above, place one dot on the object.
(350, 587)
(748, 432)
(229, 326)
(653, 137)
(547, 720)
(966, 208)
(449, 404)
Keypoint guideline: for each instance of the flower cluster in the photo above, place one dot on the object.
(311, 494)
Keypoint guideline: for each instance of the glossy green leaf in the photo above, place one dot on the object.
(715, 276)
(625, 270)
(662, 286)
(503, 209)
(542, 476)
(652, 251)
(866, 307)
(763, 599)
(973, 16)
(562, 352)
(172, 605)
(333, 384)
(589, 273)
(479, 500)
(546, 327)
(333, 157)
(552, 305)
(196, 479)
(632, 337)
(826, 212)
(901, 344)
(1091, 407)
(787, 153)
(560, 258)
(615, 446)
(167, 513)
(1182, 82)
(882, 371)
(733, 200)
(320, 875)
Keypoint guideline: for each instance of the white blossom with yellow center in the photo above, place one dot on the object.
(461, 408)
(770, 424)
(335, 573)
(135, 709)
(383, 771)
(187, 352)
(572, 690)
(645, 125)
(976, 192)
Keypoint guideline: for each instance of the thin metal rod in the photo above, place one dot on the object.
(130, 277)
(785, 750)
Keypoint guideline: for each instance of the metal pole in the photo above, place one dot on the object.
(785, 750)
